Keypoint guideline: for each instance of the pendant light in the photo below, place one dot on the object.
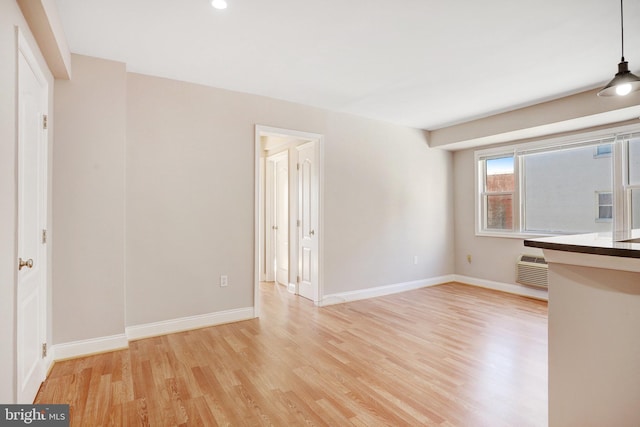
(624, 81)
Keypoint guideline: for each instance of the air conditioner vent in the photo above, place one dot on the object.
(531, 258)
(532, 270)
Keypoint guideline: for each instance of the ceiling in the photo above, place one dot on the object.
(420, 63)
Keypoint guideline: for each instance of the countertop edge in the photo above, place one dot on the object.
(585, 249)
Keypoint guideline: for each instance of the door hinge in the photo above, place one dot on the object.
(298, 166)
(297, 279)
(298, 223)
(44, 236)
(44, 350)
(44, 121)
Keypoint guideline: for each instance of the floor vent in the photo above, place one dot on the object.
(532, 271)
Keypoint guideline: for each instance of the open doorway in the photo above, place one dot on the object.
(288, 211)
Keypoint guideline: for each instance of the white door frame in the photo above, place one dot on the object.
(23, 393)
(261, 130)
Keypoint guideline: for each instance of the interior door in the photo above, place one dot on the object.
(32, 202)
(282, 219)
(308, 221)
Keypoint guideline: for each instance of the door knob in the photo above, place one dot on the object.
(312, 233)
(22, 263)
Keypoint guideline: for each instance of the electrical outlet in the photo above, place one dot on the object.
(224, 281)
(469, 258)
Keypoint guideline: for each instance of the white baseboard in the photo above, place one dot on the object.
(382, 290)
(541, 294)
(86, 347)
(185, 323)
(407, 286)
(291, 287)
(116, 342)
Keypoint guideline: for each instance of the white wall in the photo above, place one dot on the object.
(10, 17)
(88, 201)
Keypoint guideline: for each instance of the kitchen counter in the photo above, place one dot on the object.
(625, 245)
(594, 328)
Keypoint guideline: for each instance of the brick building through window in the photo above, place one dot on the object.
(500, 206)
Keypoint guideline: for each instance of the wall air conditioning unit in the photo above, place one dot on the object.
(532, 270)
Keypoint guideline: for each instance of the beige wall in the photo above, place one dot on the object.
(88, 202)
(189, 199)
(593, 343)
(388, 198)
(567, 114)
(190, 207)
(10, 17)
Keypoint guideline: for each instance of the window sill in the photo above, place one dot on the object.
(513, 235)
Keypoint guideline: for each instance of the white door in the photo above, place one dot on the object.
(282, 219)
(308, 221)
(32, 202)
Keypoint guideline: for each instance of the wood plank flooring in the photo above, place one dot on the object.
(448, 355)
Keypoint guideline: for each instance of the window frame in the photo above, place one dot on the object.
(484, 194)
(627, 187)
(621, 188)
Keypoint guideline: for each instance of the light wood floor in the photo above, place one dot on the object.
(449, 355)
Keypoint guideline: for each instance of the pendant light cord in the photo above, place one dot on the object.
(622, 29)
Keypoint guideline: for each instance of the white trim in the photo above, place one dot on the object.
(116, 342)
(85, 347)
(256, 221)
(186, 323)
(514, 235)
(292, 288)
(379, 291)
(503, 287)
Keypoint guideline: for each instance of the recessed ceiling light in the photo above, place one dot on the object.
(219, 4)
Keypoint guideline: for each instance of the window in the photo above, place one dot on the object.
(558, 189)
(604, 208)
(632, 184)
(554, 187)
(499, 186)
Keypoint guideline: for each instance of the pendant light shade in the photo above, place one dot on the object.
(624, 81)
